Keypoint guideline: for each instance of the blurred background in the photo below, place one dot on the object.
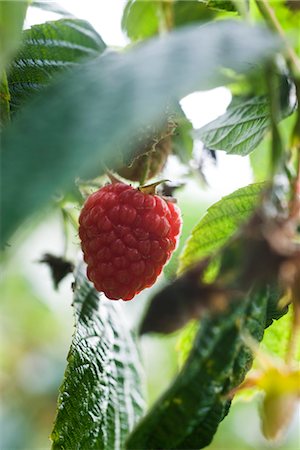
(36, 322)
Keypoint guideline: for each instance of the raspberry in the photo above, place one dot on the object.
(127, 236)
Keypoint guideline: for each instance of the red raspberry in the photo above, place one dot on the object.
(126, 236)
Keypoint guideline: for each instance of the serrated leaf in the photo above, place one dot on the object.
(47, 50)
(219, 224)
(240, 129)
(81, 119)
(188, 414)
(101, 398)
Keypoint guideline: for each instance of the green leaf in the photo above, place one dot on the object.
(100, 106)
(100, 399)
(240, 129)
(51, 7)
(12, 15)
(143, 19)
(276, 337)
(47, 50)
(189, 412)
(140, 19)
(182, 141)
(226, 5)
(4, 100)
(219, 224)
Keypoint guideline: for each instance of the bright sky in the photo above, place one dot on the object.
(201, 107)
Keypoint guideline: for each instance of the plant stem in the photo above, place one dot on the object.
(269, 15)
(166, 16)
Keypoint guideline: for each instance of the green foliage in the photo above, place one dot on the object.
(78, 109)
(47, 50)
(219, 224)
(100, 399)
(4, 100)
(140, 19)
(240, 129)
(99, 97)
(12, 15)
(276, 337)
(143, 19)
(187, 415)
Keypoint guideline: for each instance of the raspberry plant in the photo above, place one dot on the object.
(71, 110)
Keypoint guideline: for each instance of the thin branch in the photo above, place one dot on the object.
(270, 17)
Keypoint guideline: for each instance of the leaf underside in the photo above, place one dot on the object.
(240, 129)
(111, 99)
(101, 397)
(188, 414)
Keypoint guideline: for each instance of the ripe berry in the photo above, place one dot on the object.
(127, 236)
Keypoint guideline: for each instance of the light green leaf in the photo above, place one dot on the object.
(276, 337)
(12, 15)
(102, 105)
(100, 399)
(240, 129)
(140, 19)
(143, 19)
(219, 224)
(47, 50)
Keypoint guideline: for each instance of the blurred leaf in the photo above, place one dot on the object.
(82, 118)
(189, 412)
(143, 19)
(226, 5)
(47, 50)
(219, 224)
(240, 129)
(4, 100)
(51, 7)
(100, 399)
(12, 15)
(276, 337)
(261, 157)
(140, 19)
(182, 141)
(191, 11)
(288, 17)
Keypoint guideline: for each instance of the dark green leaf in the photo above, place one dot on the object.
(100, 399)
(219, 224)
(102, 105)
(226, 5)
(188, 414)
(47, 50)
